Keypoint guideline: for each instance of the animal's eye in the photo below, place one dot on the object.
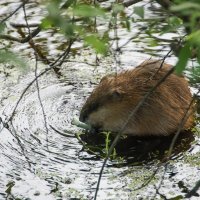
(116, 94)
(94, 106)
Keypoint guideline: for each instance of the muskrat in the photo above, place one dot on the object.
(114, 99)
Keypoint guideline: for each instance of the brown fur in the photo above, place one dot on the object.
(111, 103)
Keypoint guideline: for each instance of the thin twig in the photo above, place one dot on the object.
(18, 25)
(130, 3)
(183, 121)
(116, 53)
(125, 4)
(11, 14)
(161, 65)
(181, 124)
(38, 76)
(36, 81)
(148, 180)
(41, 104)
(165, 57)
(126, 123)
(19, 143)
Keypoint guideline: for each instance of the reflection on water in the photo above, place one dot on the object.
(138, 150)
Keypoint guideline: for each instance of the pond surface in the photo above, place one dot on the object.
(53, 159)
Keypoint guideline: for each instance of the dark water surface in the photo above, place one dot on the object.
(52, 162)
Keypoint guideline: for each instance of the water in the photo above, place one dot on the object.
(52, 162)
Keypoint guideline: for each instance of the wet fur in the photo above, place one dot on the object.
(113, 100)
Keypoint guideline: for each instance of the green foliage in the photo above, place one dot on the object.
(190, 12)
(185, 7)
(12, 58)
(84, 10)
(78, 19)
(57, 20)
(117, 8)
(2, 27)
(96, 43)
(194, 74)
(183, 59)
(108, 143)
(172, 25)
(175, 21)
(194, 38)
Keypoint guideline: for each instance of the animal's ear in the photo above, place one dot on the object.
(108, 77)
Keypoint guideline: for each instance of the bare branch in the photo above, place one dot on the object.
(125, 4)
(130, 3)
(182, 122)
(24, 25)
(11, 14)
(22, 40)
(126, 123)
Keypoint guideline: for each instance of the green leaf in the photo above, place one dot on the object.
(53, 9)
(117, 8)
(198, 55)
(97, 44)
(185, 6)
(12, 58)
(128, 25)
(139, 11)
(194, 75)
(46, 23)
(194, 38)
(2, 27)
(68, 29)
(84, 10)
(184, 55)
(175, 21)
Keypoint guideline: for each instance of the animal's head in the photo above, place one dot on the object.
(108, 106)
